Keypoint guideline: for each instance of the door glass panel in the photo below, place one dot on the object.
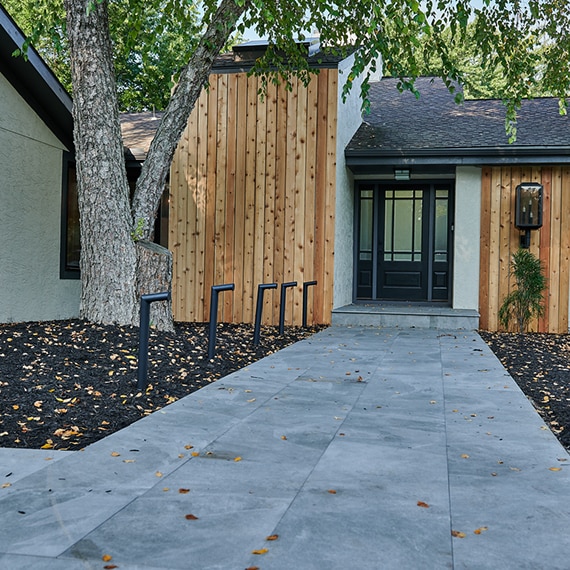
(418, 214)
(441, 226)
(388, 225)
(403, 225)
(366, 220)
(403, 233)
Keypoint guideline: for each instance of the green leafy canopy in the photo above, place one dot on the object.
(518, 49)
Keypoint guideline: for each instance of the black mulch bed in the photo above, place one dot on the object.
(66, 384)
(540, 364)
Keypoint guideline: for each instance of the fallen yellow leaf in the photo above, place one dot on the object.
(464, 456)
(6, 485)
(115, 454)
(195, 454)
(481, 529)
(158, 474)
(191, 517)
(458, 534)
(422, 504)
(260, 551)
(331, 491)
(555, 468)
(272, 537)
(237, 458)
(188, 447)
(106, 558)
(283, 437)
(183, 491)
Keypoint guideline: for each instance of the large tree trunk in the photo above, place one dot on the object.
(108, 256)
(112, 279)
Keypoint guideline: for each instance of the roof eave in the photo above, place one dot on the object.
(35, 81)
(474, 156)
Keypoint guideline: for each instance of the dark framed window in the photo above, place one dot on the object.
(70, 234)
(70, 238)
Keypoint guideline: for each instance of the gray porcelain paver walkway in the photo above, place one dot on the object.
(359, 448)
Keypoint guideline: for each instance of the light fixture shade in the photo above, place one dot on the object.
(528, 215)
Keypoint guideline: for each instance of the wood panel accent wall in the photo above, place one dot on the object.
(500, 239)
(252, 198)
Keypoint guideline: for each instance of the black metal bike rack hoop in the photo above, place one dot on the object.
(259, 308)
(144, 334)
(306, 286)
(284, 287)
(216, 290)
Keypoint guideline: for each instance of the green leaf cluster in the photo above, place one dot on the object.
(526, 301)
(152, 41)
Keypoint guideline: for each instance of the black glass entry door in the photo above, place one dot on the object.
(403, 242)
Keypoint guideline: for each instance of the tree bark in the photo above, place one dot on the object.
(154, 272)
(108, 256)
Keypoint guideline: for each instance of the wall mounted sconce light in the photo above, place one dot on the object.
(528, 206)
(401, 174)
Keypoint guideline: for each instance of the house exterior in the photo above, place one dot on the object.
(403, 217)
(462, 150)
(409, 210)
(35, 139)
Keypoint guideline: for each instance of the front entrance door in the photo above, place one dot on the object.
(404, 241)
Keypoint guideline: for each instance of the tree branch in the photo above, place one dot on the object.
(194, 76)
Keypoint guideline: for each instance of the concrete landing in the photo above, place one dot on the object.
(406, 315)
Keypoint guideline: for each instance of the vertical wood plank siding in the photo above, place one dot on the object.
(500, 239)
(253, 196)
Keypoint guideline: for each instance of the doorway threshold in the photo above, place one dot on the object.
(406, 315)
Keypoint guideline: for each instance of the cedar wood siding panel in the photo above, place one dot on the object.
(254, 197)
(500, 239)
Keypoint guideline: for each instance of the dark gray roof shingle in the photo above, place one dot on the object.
(399, 124)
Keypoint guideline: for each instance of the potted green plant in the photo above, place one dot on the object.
(526, 301)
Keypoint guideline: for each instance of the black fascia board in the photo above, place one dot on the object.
(461, 157)
(35, 82)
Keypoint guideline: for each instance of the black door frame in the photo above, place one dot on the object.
(378, 186)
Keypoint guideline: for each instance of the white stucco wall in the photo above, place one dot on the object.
(467, 238)
(349, 119)
(30, 214)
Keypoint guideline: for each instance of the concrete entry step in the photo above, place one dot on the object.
(405, 315)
